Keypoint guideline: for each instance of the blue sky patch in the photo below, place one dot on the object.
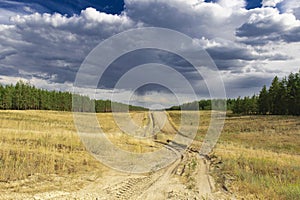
(68, 7)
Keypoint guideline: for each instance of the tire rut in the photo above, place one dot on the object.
(130, 187)
(133, 188)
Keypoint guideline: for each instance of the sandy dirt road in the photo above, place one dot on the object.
(185, 178)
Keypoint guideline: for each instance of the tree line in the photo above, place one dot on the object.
(24, 96)
(218, 104)
(281, 98)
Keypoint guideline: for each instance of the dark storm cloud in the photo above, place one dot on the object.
(234, 66)
(230, 53)
(233, 57)
(250, 82)
(264, 27)
(7, 53)
(292, 36)
(149, 88)
(7, 71)
(241, 85)
(262, 36)
(139, 57)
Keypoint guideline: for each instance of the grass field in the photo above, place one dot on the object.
(47, 142)
(39, 146)
(257, 157)
(43, 145)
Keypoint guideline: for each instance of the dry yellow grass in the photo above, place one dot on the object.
(37, 146)
(46, 142)
(258, 173)
(125, 138)
(258, 157)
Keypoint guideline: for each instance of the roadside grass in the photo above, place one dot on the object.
(204, 116)
(258, 157)
(258, 173)
(46, 142)
(124, 138)
(43, 144)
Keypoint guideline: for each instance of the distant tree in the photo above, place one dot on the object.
(254, 104)
(8, 97)
(25, 96)
(293, 94)
(190, 106)
(283, 97)
(237, 106)
(2, 90)
(282, 102)
(264, 101)
(297, 95)
(205, 104)
(274, 96)
(17, 100)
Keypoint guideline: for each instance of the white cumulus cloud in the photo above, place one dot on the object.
(270, 3)
(243, 43)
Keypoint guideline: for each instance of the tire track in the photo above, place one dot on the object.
(136, 187)
(129, 187)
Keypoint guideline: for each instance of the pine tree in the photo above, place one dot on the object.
(297, 95)
(293, 94)
(274, 96)
(282, 97)
(253, 105)
(8, 97)
(237, 107)
(263, 101)
(1, 96)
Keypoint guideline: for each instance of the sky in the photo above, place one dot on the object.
(45, 42)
